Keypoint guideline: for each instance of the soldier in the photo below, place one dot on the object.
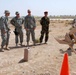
(30, 25)
(45, 27)
(74, 23)
(17, 22)
(5, 30)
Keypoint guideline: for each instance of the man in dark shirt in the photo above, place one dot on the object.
(45, 27)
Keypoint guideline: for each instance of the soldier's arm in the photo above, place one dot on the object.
(12, 22)
(25, 23)
(48, 21)
(34, 22)
(41, 21)
(22, 20)
(6, 24)
(2, 27)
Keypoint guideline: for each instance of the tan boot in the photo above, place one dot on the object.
(16, 44)
(34, 43)
(2, 49)
(7, 48)
(21, 44)
(27, 44)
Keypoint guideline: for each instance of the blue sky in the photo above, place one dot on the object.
(54, 7)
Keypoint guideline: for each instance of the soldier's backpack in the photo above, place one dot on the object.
(2, 22)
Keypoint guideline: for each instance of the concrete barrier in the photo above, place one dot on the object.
(26, 53)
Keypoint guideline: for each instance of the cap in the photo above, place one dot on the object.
(46, 12)
(6, 11)
(17, 12)
(29, 11)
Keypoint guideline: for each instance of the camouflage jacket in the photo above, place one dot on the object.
(4, 23)
(29, 22)
(17, 22)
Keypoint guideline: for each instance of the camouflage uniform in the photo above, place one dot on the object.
(74, 23)
(30, 24)
(5, 30)
(17, 22)
(8, 30)
(45, 28)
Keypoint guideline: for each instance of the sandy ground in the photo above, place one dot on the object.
(45, 59)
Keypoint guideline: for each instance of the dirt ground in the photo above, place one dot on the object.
(45, 59)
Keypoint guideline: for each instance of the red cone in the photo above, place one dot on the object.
(65, 66)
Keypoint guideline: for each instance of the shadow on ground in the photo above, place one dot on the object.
(22, 61)
(23, 46)
(15, 47)
(1, 50)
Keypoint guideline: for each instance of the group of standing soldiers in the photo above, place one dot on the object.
(29, 25)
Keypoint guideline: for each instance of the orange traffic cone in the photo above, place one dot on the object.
(65, 66)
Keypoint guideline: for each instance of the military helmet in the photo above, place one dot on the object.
(6, 11)
(17, 12)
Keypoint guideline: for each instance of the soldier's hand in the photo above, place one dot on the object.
(26, 29)
(34, 28)
(3, 31)
(8, 29)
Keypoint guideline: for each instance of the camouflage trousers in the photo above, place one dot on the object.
(28, 32)
(5, 38)
(19, 36)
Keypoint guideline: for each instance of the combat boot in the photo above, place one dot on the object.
(27, 44)
(21, 44)
(45, 43)
(7, 48)
(16, 44)
(34, 43)
(2, 49)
